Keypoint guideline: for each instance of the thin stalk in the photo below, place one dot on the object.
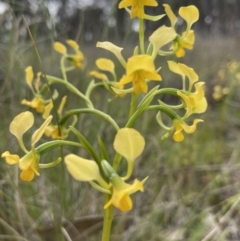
(133, 104)
(141, 36)
(72, 88)
(63, 70)
(98, 113)
(107, 221)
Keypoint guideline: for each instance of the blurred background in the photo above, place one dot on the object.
(193, 188)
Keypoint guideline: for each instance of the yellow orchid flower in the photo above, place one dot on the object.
(55, 131)
(180, 125)
(29, 163)
(88, 171)
(195, 102)
(139, 69)
(190, 14)
(77, 58)
(121, 192)
(129, 143)
(137, 6)
(38, 102)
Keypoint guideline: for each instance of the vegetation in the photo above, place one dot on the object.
(192, 193)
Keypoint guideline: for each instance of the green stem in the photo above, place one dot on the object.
(141, 35)
(164, 109)
(72, 88)
(63, 68)
(99, 113)
(107, 222)
(133, 104)
(116, 161)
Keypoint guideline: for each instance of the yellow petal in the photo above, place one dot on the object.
(170, 14)
(114, 49)
(29, 76)
(162, 36)
(60, 48)
(38, 82)
(40, 131)
(121, 193)
(140, 62)
(129, 143)
(10, 158)
(27, 175)
(62, 104)
(47, 110)
(187, 40)
(73, 44)
(98, 75)
(189, 72)
(190, 129)
(178, 135)
(28, 160)
(21, 123)
(105, 65)
(82, 169)
(174, 67)
(190, 14)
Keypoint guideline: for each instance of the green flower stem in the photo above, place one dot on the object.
(116, 161)
(46, 147)
(107, 221)
(133, 104)
(63, 70)
(72, 88)
(98, 113)
(164, 109)
(140, 110)
(91, 87)
(141, 36)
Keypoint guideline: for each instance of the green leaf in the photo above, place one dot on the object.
(86, 145)
(103, 150)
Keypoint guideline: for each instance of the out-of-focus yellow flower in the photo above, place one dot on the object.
(114, 49)
(60, 48)
(180, 125)
(121, 192)
(140, 68)
(55, 131)
(29, 163)
(104, 65)
(98, 75)
(37, 102)
(219, 92)
(77, 58)
(137, 9)
(185, 41)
